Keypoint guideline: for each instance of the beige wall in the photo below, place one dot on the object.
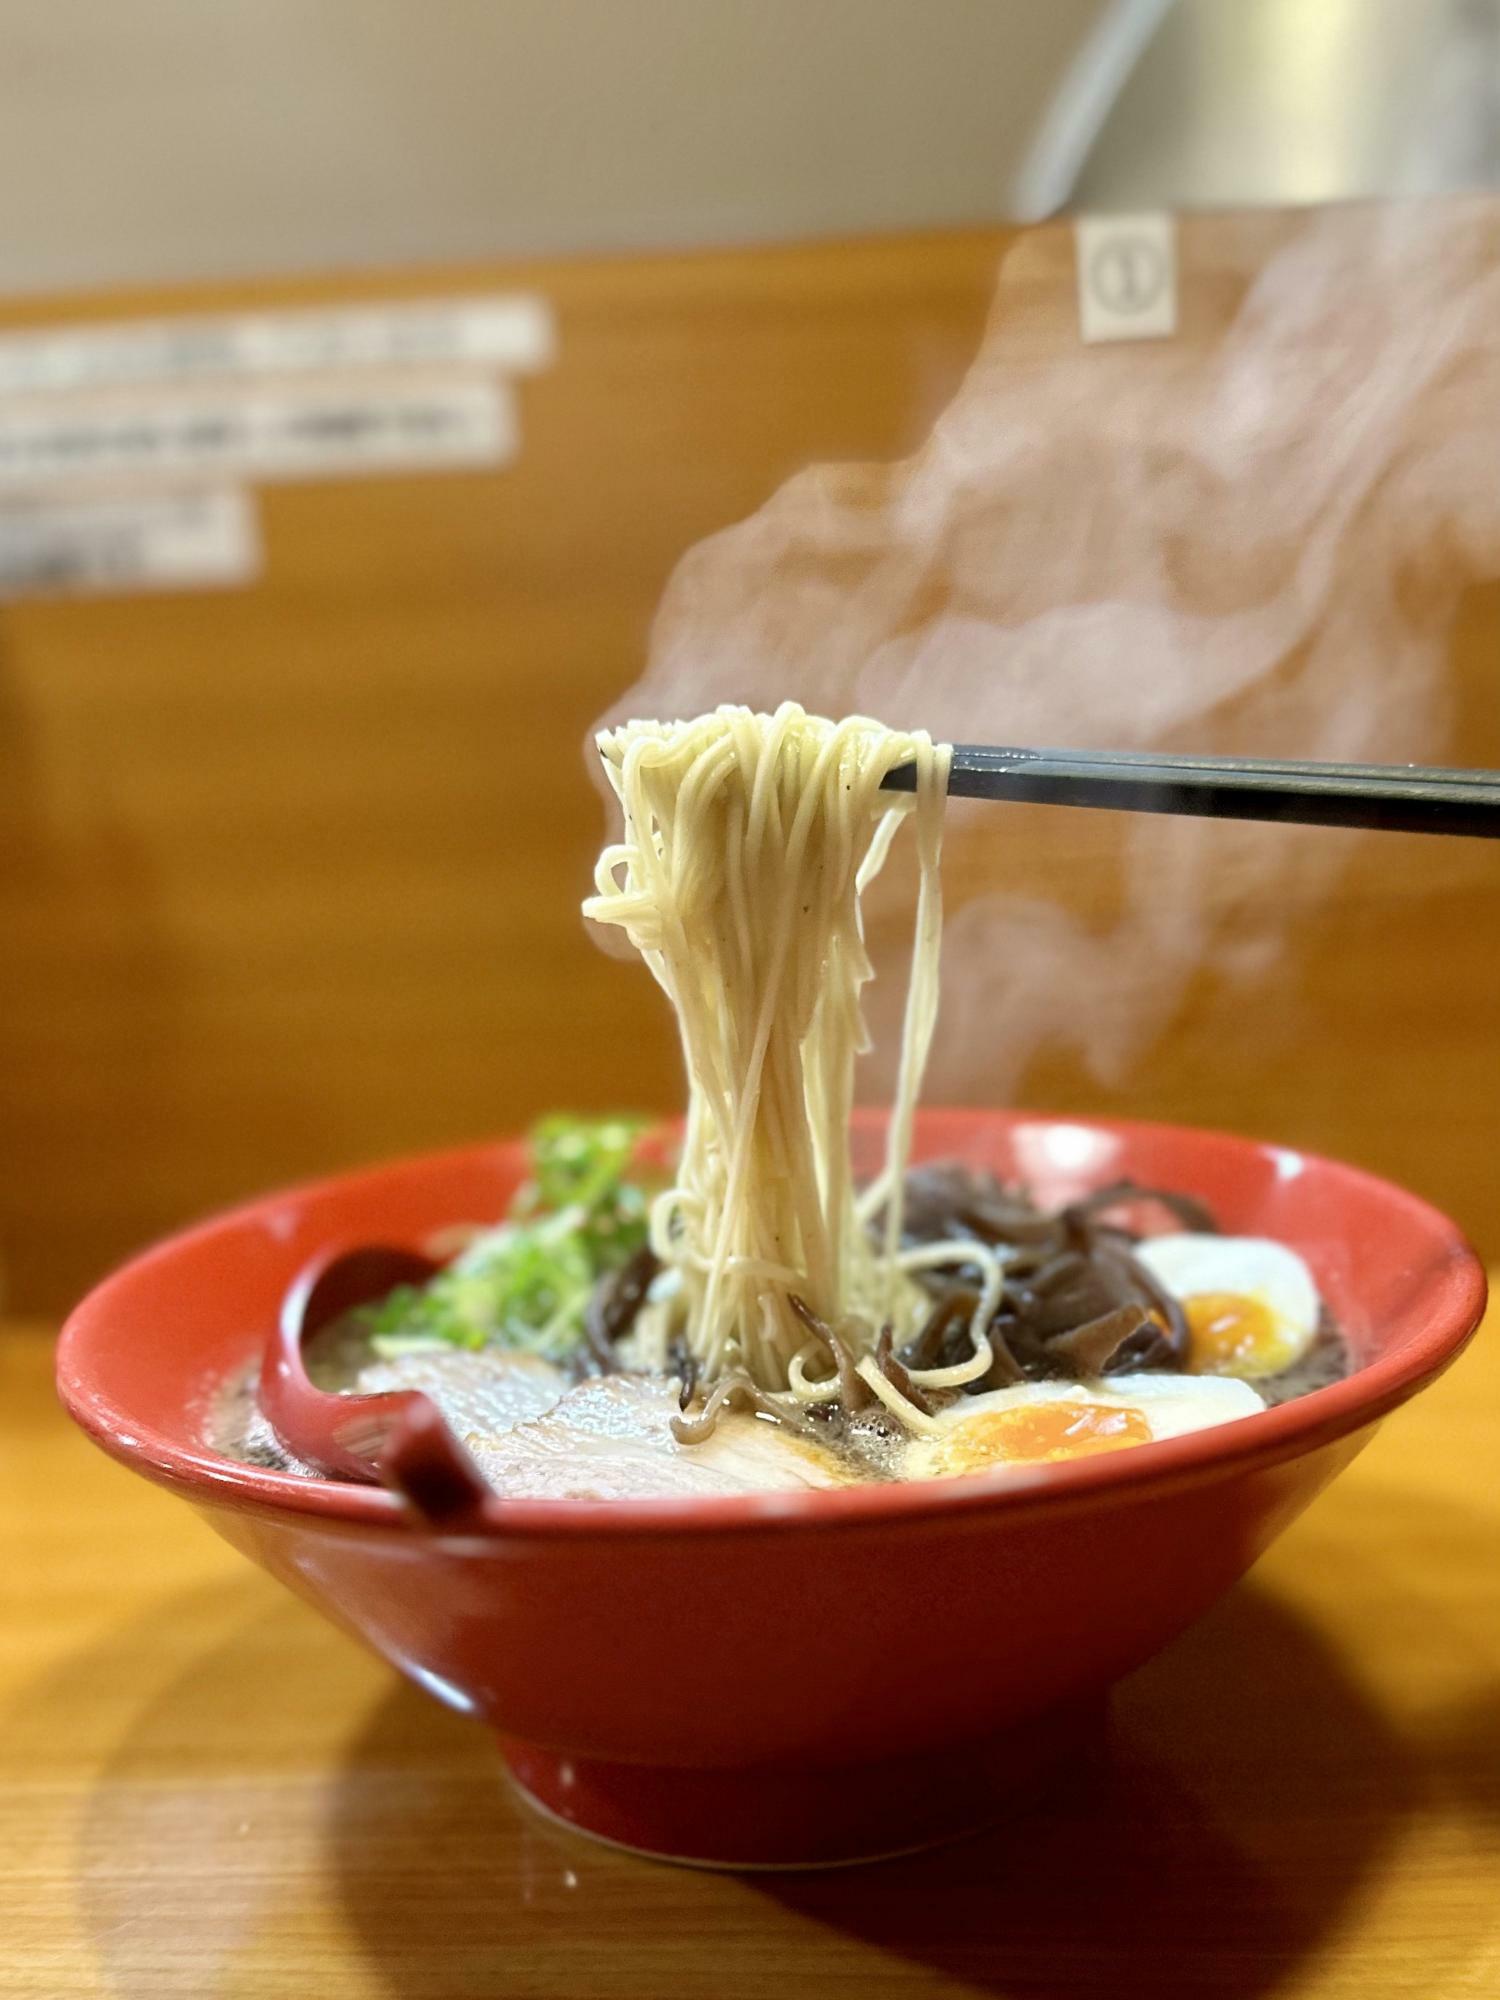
(161, 139)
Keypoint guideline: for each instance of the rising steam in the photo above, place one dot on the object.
(1251, 537)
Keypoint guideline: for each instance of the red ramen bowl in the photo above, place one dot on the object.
(792, 1678)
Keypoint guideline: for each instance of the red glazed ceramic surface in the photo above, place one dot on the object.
(763, 1678)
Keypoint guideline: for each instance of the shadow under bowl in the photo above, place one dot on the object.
(785, 1679)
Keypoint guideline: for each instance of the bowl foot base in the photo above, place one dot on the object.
(805, 1815)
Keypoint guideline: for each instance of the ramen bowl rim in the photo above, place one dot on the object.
(1360, 1399)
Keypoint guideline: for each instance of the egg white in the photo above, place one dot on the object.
(1250, 1267)
(1170, 1405)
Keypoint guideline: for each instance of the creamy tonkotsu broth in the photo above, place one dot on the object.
(748, 1317)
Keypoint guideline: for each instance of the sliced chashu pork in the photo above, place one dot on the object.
(611, 1439)
(486, 1392)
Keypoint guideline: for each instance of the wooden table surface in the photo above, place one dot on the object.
(206, 1791)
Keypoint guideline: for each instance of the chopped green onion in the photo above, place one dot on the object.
(526, 1285)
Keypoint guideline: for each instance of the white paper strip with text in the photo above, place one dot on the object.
(149, 541)
(290, 433)
(510, 332)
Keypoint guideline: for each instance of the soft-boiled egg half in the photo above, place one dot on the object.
(1043, 1423)
(1251, 1304)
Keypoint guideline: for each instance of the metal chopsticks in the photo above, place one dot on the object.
(1399, 798)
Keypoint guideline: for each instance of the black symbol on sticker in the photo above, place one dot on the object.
(1128, 275)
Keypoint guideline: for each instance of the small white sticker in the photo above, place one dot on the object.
(512, 332)
(303, 433)
(1127, 276)
(154, 541)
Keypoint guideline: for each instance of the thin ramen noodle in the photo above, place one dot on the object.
(748, 842)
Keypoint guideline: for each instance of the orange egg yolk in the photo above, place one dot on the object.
(1230, 1333)
(1037, 1433)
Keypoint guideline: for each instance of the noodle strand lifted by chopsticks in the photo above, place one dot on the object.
(748, 840)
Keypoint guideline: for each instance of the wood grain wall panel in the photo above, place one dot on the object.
(289, 875)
